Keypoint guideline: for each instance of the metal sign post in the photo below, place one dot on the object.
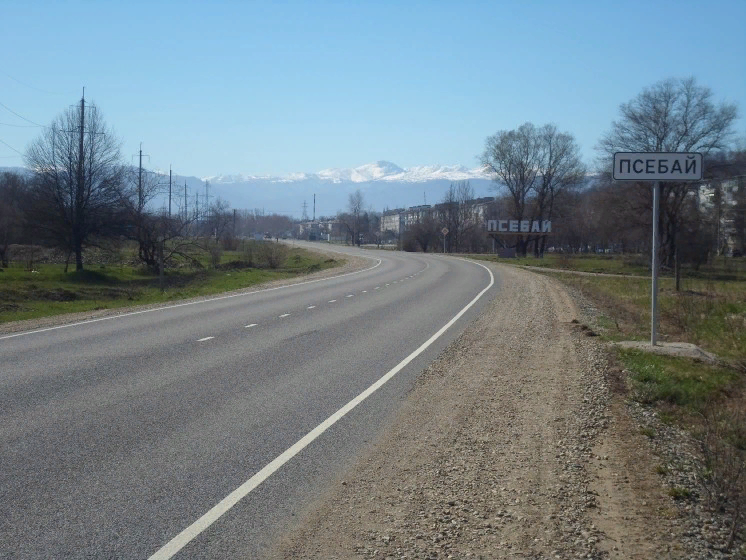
(657, 166)
(444, 231)
(654, 299)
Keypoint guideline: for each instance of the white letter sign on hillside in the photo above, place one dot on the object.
(657, 166)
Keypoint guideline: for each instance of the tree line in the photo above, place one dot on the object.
(539, 175)
(79, 194)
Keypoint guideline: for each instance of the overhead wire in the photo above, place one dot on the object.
(21, 125)
(11, 147)
(32, 87)
(20, 116)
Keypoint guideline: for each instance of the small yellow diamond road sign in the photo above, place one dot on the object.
(444, 231)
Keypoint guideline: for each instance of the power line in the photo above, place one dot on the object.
(21, 125)
(20, 116)
(33, 87)
(11, 147)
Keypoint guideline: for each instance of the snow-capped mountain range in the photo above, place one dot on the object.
(378, 171)
(383, 184)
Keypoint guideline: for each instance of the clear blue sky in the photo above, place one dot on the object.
(278, 87)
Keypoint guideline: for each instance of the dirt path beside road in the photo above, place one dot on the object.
(496, 453)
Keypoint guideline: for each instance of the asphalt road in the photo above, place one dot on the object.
(116, 436)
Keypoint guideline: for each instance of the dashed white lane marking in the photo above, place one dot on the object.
(388, 284)
(284, 315)
(310, 307)
(350, 295)
(249, 326)
(377, 288)
(332, 300)
(182, 539)
(365, 291)
(206, 338)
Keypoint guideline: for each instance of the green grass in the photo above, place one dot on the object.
(607, 264)
(50, 291)
(722, 269)
(675, 380)
(678, 493)
(709, 310)
(709, 313)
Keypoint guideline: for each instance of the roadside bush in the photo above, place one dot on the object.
(272, 255)
(249, 251)
(216, 253)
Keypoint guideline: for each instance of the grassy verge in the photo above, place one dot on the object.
(709, 313)
(723, 269)
(48, 290)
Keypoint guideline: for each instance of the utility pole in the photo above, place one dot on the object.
(169, 191)
(304, 216)
(81, 186)
(140, 194)
(207, 198)
(314, 207)
(139, 183)
(186, 209)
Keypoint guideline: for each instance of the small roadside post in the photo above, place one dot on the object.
(444, 231)
(656, 167)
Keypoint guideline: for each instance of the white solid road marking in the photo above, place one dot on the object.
(310, 307)
(206, 338)
(191, 302)
(183, 538)
(284, 315)
(251, 325)
(332, 300)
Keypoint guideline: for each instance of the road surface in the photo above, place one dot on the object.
(123, 437)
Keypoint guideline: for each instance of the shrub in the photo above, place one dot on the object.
(216, 254)
(273, 255)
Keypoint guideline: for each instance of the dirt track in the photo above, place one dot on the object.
(507, 447)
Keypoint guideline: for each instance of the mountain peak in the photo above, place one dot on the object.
(381, 170)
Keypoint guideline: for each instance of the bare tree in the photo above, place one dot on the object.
(424, 233)
(674, 115)
(351, 220)
(13, 188)
(148, 227)
(76, 196)
(535, 166)
(456, 212)
(560, 171)
(355, 205)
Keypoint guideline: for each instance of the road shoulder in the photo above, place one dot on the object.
(510, 444)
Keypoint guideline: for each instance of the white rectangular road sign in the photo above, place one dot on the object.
(657, 166)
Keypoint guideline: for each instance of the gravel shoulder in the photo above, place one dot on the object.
(351, 264)
(513, 443)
